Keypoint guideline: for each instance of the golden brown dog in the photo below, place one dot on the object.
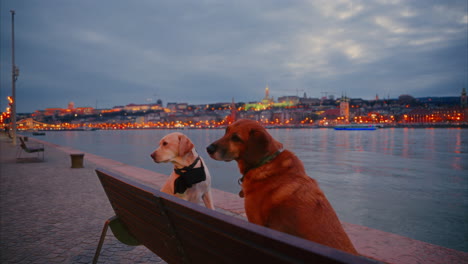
(278, 193)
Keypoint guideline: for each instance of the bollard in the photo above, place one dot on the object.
(77, 160)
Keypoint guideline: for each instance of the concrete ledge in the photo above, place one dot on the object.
(387, 247)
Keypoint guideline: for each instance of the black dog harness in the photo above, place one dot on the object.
(189, 176)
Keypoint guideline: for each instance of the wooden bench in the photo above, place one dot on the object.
(37, 148)
(182, 232)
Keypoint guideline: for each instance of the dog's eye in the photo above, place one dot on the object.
(236, 138)
(164, 143)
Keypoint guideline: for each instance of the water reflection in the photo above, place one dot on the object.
(405, 147)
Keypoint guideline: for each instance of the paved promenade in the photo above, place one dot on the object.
(51, 213)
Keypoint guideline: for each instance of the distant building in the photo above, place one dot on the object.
(172, 106)
(344, 108)
(331, 114)
(357, 102)
(442, 115)
(233, 116)
(309, 101)
(439, 101)
(53, 111)
(132, 108)
(84, 110)
(267, 99)
(115, 109)
(294, 100)
(136, 108)
(182, 106)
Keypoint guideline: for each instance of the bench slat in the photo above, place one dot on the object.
(144, 208)
(236, 241)
(149, 215)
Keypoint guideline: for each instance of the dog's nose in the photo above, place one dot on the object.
(211, 149)
(152, 155)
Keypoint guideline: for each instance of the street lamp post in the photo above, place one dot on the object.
(14, 77)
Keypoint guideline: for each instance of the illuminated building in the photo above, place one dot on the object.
(344, 108)
(54, 111)
(290, 100)
(141, 107)
(233, 116)
(84, 110)
(267, 100)
(442, 115)
(182, 106)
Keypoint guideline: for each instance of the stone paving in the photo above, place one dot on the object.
(51, 213)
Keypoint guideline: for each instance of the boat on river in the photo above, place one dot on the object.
(356, 127)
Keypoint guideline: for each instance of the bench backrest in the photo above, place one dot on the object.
(22, 143)
(29, 149)
(182, 232)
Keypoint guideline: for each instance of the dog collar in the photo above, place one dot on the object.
(267, 159)
(262, 162)
(189, 176)
(187, 168)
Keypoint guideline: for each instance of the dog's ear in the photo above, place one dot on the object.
(259, 144)
(185, 145)
(264, 140)
(259, 139)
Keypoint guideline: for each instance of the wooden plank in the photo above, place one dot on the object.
(228, 236)
(149, 215)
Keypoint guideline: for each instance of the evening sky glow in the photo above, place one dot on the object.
(108, 53)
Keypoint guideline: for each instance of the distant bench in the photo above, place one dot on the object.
(32, 148)
(182, 232)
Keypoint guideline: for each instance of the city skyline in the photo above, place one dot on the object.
(72, 105)
(104, 54)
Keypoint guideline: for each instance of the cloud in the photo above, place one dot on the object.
(208, 51)
(391, 26)
(464, 19)
(341, 9)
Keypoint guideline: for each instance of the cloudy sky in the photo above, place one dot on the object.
(108, 53)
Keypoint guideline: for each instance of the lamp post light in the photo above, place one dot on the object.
(14, 77)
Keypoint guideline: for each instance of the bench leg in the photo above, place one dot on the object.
(101, 240)
(19, 150)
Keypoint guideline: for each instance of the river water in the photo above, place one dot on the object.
(412, 182)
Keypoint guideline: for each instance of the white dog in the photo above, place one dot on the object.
(190, 179)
